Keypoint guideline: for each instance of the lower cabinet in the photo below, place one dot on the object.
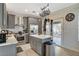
(39, 48)
(37, 45)
(8, 50)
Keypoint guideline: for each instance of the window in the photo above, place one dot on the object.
(33, 29)
(57, 29)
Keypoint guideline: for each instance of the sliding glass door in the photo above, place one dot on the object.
(57, 32)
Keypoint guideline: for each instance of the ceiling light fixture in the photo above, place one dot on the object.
(45, 11)
(35, 13)
(26, 10)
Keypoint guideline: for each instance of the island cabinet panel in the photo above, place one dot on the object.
(39, 47)
(37, 44)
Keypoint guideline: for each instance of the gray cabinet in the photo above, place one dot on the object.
(10, 21)
(25, 22)
(33, 21)
(33, 43)
(8, 50)
(0, 14)
(37, 44)
(27, 38)
(3, 15)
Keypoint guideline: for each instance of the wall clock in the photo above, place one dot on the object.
(70, 16)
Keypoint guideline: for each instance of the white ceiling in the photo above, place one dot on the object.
(30, 7)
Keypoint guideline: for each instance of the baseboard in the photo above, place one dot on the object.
(76, 50)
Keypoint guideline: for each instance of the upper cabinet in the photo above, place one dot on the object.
(3, 15)
(25, 22)
(33, 21)
(10, 21)
(14, 20)
(19, 20)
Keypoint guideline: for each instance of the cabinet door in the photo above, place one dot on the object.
(25, 22)
(4, 15)
(31, 42)
(26, 37)
(39, 48)
(35, 44)
(11, 21)
(0, 14)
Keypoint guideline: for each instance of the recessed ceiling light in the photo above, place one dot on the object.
(26, 10)
(37, 13)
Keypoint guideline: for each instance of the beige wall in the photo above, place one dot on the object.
(69, 29)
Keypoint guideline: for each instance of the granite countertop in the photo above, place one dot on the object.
(10, 40)
(41, 36)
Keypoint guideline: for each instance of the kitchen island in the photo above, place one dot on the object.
(37, 43)
(9, 47)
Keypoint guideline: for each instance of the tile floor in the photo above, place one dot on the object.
(27, 51)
